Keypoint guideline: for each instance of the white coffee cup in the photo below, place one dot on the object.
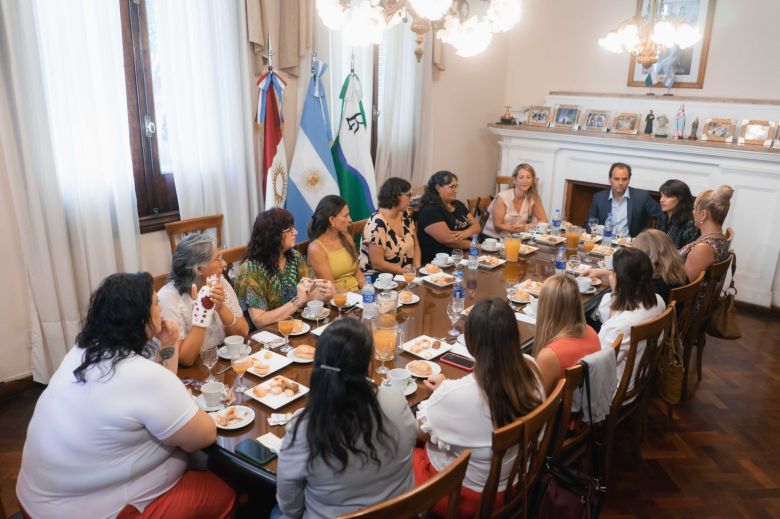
(599, 229)
(213, 393)
(584, 283)
(608, 262)
(490, 244)
(442, 259)
(398, 378)
(314, 307)
(234, 345)
(543, 227)
(384, 280)
(533, 305)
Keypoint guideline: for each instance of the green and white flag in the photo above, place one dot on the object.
(352, 152)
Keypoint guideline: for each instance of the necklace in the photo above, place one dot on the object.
(708, 234)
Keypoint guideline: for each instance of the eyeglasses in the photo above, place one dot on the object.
(452, 187)
(407, 194)
(289, 230)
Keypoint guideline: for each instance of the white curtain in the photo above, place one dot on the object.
(65, 151)
(205, 92)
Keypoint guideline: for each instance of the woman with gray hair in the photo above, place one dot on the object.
(205, 311)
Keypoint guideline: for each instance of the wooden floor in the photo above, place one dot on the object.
(719, 457)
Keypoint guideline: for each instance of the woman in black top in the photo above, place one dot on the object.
(677, 217)
(444, 222)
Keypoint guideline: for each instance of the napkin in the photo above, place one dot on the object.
(461, 349)
(523, 318)
(399, 277)
(271, 441)
(318, 331)
(265, 336)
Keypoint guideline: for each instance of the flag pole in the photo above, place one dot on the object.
(268, 54)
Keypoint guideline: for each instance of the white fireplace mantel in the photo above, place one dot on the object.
(753, 172)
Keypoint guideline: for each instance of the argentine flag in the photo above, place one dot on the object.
(312, 173)
(352, 153)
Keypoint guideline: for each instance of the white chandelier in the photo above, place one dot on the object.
(646, 37)
(364, 21)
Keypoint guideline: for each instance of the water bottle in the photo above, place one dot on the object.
(560, 262)
(474, 253)
(556, 221)
(459, 291)
(607, 238)
(369, 299)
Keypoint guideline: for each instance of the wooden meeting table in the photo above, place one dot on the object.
(427, 317)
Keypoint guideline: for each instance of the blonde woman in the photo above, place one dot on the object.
(562, 337)
(518, 208)
(668, 267)
(709, 212)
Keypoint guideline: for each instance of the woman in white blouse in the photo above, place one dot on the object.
(462, 414)
(196, 259)
(518, 208)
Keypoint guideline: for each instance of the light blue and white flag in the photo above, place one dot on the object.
(312, 173)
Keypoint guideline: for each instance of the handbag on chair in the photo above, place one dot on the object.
(671, 371)
(723, 320)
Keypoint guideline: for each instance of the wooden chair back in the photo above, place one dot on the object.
(303, 248)
(200, 224)
(357, 231)
(684, 298)
(478, 208)
(446, 483)
(714, 278)
(532, 435)
(232, 256)
(503, 182)
(159, 281)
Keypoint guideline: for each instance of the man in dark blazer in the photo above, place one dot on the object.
(629, 206)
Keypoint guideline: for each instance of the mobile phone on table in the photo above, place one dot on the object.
(459, 361)
(255, 452)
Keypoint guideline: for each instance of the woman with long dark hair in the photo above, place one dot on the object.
(351, 447)
(632, 301)
(444, 222)
(332, 253)
(111, 432)
(677, 217)
(518, 208)
(274, 281)
(461, 414)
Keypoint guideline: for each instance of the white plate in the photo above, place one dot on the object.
(247, 414)
(306, 315)
(424, 272)
(591, 290)
(432, 280)
(499, 262)
(223, 354)
(201, 402)
(392, 286)
(525, 250)
(531, 286)
(526, 235)
(300, 360)
(603, 251)
(304, 330)
(410, 388)
(530, 313)
(549, 239)
(521, 301)
(593, 237)
(415, 299)
(436, 369)
(277, 401)
(352, 300)
(275, 363)
(429, 352)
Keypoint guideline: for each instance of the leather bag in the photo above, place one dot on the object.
(671, 371)
(723, 320)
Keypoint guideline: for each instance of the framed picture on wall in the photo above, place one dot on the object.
(539, 116)
(718, 130)
(687, 65)
(756, 131)
(626, 122)
(595, 121)
(566, 116)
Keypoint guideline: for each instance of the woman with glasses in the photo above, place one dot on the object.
(332, 252)
(444, 222)
(518, 208)
(274, 280)
(390, 237)
(197, 262)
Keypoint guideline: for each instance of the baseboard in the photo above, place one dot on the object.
(17, 386)
(758, 308)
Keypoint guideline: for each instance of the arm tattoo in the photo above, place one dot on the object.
(167, 353)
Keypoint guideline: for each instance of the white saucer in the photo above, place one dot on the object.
(435, 369)
(248, 415)
(291, 355)
(415, 299)
(306, 315)
(527, 311)
(392, 286)
(200, 401)
(223, 354)
(490, 249)
(410, 388)
(591, 290)
(305, 329)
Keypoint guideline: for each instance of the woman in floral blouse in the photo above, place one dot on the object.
(274, 280)
(390, 237)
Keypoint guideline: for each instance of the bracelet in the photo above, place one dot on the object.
(296, 301)
(235, 318)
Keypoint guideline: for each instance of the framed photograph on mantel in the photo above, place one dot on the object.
(595, 121)
(539, 116)
(755, 131)
(566, 116)
(687, 65)
(627, 123)
(718, 130)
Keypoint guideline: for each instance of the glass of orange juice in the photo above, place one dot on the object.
(240, 362)
(340, 297)
(588, 244)
(286, 327)
(409, 273)
(385, 329)
(512, 245)
(573, 234)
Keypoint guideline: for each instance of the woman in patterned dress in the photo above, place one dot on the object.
(709, 212)
(390, 237)
(274, 280)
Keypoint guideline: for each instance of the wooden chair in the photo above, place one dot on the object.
(357, 230)
(631, 402)
(503, 180)
(568, 444)
(231, 256)
(303, 248)
(714, 278)
(532, 435)
(478, 207)
(159, 281)
(446, 483)
(201, 223)
(684, 298)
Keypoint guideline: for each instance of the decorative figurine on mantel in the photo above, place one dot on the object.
(694, 129)
(662, 128)
(507, 118)
(649, 123)
(679, 123)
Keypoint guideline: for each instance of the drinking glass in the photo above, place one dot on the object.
(457, 257)
(286, 326)
(588, 245)
(385, 329)
(510, 285)
(503, 236)
(209, 358)
(573, 235)
(387, 302)
(454, 310)
(592, 224)
(340, 297)
(409, 274)
(574, 264)
(512, 247)
(240, 363)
